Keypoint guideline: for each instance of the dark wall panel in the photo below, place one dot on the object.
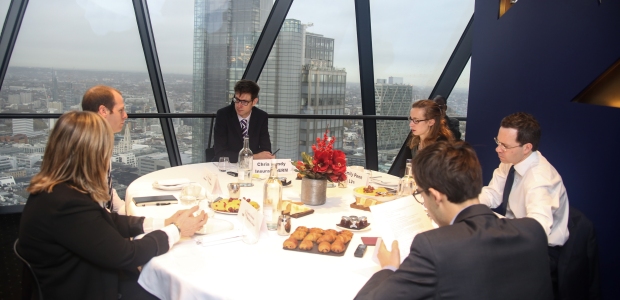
(537, 58)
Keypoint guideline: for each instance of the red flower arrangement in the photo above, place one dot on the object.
(327, 163)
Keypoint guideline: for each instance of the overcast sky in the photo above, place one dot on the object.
(411, 38)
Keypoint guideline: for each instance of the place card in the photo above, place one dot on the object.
(263, 166)
(251, 221)
(356, 176)
(213, 184)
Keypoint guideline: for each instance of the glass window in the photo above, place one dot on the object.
(409, 54)
(4, 8)
(457, 101)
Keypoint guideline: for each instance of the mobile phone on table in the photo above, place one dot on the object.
(359, 252)
(231, 173)
(155, 200)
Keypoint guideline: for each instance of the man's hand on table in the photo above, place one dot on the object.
(187, 223)
(387, 258)
(264, 155)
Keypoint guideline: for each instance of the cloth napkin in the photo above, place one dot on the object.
(173, 182)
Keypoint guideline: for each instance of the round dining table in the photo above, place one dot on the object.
(263, 270)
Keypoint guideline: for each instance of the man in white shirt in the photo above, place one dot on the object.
(108, 102)
(537, 190)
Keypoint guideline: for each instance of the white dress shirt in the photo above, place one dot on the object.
(537, 193)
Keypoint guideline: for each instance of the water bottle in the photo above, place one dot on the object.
(245, 163)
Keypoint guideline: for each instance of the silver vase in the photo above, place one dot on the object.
(313, 191)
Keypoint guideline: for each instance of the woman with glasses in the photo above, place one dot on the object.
(427, 124)
(77, 249)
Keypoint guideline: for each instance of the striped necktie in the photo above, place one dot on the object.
(109, 204)
(244, 127)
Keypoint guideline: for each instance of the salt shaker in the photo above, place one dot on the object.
(284, 224)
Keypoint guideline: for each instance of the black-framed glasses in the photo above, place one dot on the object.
(242, 102)
(504, 147)
(415, 121)
(417, 194)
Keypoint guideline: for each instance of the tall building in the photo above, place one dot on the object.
(392, 100)
(23, 126)
(298, 76)
(225, 33)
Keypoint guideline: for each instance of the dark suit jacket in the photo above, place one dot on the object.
(478, 257)
(77, 248)
(227, 134)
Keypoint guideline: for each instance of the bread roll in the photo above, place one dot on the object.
(298, 235)
(291, 243)
(306, 245)
(337, 246)
(325, 247)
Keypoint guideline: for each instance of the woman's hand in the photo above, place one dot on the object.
(187, 223)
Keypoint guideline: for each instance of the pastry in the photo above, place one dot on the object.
(330, 231)
(312, 237)
(298, 235)
(325, 247)
(337, 247)
(316, 230)
(306, 245)
(291, 243)
(326, 238)
(302, 228)
(347, 232)
(345, 238)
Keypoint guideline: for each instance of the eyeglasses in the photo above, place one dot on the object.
(415, 121)
(243, 102)
(415, 196)
(504, 147)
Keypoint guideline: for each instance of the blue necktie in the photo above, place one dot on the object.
(244, 127)
(509, 180)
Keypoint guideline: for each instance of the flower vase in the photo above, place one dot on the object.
(313, 191)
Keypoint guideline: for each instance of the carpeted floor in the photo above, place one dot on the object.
(10, 265)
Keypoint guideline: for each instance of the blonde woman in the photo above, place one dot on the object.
(77, 249)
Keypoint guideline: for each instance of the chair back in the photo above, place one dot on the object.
(578, 263)
(30, 284)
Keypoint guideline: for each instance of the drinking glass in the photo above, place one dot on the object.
(223, 164)
(234, 190)
(190, 194)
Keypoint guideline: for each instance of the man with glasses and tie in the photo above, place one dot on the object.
(242, 119)
(526, 185)
(473, 254)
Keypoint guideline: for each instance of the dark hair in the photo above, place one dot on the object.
(247, 86)
(431, 111)
(442, 102)
(452, 168)
(99, 95)
(528, 129)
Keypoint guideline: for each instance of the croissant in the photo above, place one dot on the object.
(347, 232)
(337, 247)
(325, 247)
(331, 231)
(340, 238)
(326, 238)
(312, 237)
(291, 243)
(345, 238)
(302, 228)
(316, 230)
(306, 245)
(298, 235)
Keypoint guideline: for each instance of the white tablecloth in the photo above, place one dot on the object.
(236, 270)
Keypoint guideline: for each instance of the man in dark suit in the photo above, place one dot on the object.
(474, 254)
(241, 118)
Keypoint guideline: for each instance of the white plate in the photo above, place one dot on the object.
(168, 187)
(353, 229)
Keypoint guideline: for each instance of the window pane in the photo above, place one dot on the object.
(56, 59)
(224, 36)
(414, 49)
(457, 102)
(313, 69)
(4, 8)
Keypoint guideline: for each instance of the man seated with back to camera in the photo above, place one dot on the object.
(242, 119)
(473, 254)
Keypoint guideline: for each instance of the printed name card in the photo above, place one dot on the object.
(251, 221)
(263, 166)
(213, 184)
(356, 176)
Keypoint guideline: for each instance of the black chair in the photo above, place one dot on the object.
(30, 285)
(578, 264)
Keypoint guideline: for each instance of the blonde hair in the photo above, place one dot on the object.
(432, 111)
(78, 153)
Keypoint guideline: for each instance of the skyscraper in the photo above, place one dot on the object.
(392, 100)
